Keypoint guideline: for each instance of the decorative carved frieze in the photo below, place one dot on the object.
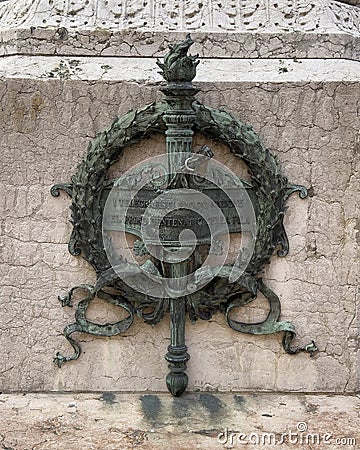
(183, 15)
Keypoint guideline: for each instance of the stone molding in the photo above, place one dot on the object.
(133, 27)
(182, 15)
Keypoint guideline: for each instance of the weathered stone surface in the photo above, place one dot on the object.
(307, 117)
(246, 29)
(112, 421)
(229, 15)
(230, 71)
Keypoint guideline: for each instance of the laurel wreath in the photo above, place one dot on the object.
(89, 188)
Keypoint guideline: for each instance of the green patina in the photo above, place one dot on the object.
(179, 116)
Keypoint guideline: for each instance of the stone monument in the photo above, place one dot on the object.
(291, 69)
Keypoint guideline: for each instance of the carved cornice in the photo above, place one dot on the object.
(180, 15)
(129, 28)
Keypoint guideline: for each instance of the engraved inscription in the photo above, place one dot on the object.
(173, 214)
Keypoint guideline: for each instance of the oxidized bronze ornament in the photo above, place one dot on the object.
(174, 276)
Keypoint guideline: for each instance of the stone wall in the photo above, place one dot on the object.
(184, 15)
(305, 112)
